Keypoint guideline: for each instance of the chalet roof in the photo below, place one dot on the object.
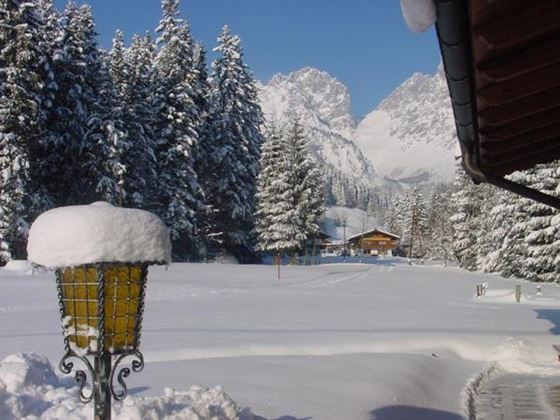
(502, 62)
(323, 235)
(367, 232)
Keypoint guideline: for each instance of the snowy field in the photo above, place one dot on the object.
(330, 342)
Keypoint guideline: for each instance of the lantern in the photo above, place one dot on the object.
(101, 255)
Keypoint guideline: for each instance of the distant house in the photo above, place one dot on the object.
(373, 242)
(325, 239)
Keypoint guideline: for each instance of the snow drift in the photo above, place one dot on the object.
(29, 388)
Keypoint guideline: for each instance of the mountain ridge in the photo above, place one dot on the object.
(408, 138)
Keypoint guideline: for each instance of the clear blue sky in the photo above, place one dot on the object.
(363, 43)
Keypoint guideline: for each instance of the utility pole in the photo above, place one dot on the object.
(362, 237)
(412, 232)
(344, 239)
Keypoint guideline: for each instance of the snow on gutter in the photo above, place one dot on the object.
(419, 15)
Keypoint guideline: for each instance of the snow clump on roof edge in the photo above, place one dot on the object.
(100, 232)
(419, 14)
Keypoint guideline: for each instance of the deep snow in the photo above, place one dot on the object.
(325, 342)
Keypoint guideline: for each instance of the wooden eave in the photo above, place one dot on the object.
(502, 62)
(516, 63)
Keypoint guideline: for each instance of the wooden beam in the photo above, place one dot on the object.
(522, 61)
(501, 114)
(505, 168)
(513, 89)
(529, 24)
(500, 155)
(533, 138)
(520, 126)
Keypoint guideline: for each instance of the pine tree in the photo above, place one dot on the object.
(415, 222)
(306, 181)
(394, 216)
(439, 229)
(133, 154)
(543, 225)
(175, 131)
(22, 122)
(233, 143)
(141, 176)
(82, 131)
(466, 201)
(272, 186)
(290, 192)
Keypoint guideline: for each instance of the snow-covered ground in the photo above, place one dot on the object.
(377, 341)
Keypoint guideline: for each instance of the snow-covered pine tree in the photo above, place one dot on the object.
(493, 229)
(202, 151)
(440, 230)
(466, 201)
(394, 216)
(141, 169)
(176, 133)
(306, 180)
(22, 122)
(202, 84)
(233, 145)
(415, 222)
(543, 226)
(104, 141)
(80, 120)
(290, 192)
(119, 72)
(513, 247)
(134, 161)
(273, 209)
(493, 226)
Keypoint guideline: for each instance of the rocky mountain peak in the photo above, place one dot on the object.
(324, 106)
(411, 134)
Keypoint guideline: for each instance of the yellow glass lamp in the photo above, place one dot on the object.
(120, 297)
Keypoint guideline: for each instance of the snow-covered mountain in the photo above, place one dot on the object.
(323, 105)
(410, 137)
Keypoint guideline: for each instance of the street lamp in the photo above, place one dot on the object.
(101, 255)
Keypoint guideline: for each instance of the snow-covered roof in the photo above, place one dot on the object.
(419, 14)
(367, 232)
(99, 232)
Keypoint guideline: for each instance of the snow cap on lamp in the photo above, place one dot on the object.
(99, 232)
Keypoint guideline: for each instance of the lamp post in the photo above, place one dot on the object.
(101, 256)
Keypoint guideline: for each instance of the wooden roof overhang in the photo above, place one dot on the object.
(502, 62)
(371, 231)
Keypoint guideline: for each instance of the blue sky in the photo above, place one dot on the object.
(363, 43)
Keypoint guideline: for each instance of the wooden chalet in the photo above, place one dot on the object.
(502, 63)
(373, 242)
(325, 239)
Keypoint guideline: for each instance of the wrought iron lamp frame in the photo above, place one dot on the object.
(102, 372)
